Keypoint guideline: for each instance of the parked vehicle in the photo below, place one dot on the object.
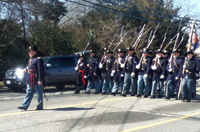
(59, 72)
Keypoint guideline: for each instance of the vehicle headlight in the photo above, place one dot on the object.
(19, 73)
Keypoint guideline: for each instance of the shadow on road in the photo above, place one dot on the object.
(77, 121)
(70, 109)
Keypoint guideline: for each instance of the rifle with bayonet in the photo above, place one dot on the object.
(103, 57)
(150, 40)
(156, 58)
(113, 39)
(154, 34)
(121, 40)
(171, 40)
(181, 39)
(134, 45)
(76, 68)
(89, 39)
(165, 36)
(139, 37)
(174, 47)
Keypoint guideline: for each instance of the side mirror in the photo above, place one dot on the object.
(48, 65)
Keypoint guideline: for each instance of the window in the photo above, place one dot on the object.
(55, 62)
(69, 62)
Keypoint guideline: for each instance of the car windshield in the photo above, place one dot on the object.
(44, 59)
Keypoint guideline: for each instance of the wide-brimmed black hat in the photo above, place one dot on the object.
(158, 51)
(93, 51)
(120, 51)
(109, 51)
(188, 52)
(32, 48)
(176, 51)
(165, 52)
(145, 50)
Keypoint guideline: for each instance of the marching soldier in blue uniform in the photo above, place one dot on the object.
(35, 77)
(103, 58)
(196, 77)
(174, 68)
(189, 69)
(159, 69)
(130, 73)
(166, 57)
(117, 72)
(107, 78)
(82, 72)
(102, 68)
(93, 73)
(144, 67)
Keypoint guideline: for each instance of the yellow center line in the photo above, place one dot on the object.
(17, 113)
(160, 123)
(66, 106)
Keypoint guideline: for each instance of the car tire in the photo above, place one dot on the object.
(60, 87)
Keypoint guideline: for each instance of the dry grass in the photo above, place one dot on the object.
(1, 83)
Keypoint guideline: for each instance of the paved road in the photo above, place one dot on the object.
(66, 112)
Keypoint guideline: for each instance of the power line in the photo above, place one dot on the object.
(113, 12)
(126, 1)
(117, 10)
(128, 15)
(144, 12)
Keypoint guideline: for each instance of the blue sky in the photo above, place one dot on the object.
(189, 7)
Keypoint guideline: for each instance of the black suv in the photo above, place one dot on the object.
(59, 72)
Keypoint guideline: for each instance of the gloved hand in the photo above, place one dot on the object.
(76, 68)
(95, 74)
(113, 71)
(122, 65)
(176, 78)
(170, 70)
(112, 74)
(133, 74)
(85, 77)
(100, 65)
(153, 67)
(145, 75)
(122, 75)
(88, 65)
(162, 77)
(184, 66)
(137, 67)
(196, 75)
